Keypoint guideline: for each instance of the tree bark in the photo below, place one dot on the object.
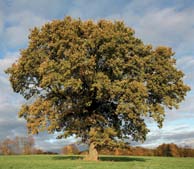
(92, 154)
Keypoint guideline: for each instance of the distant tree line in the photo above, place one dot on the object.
(18, 145)
(172, 150)
(26, 145)
(166, 150)
(71, 149)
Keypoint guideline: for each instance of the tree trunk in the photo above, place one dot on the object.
(93, 154)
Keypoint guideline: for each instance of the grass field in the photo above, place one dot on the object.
(106, 162)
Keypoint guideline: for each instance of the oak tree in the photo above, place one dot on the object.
(96, 81)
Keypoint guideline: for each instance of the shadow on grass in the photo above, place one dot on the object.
(121, 158)
(68, 157)
(102, 158)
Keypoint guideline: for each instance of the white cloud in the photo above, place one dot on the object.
(166, 27)
(17, 34)
(8, 60)
(48, 142)
(6, 91)
(160, 25)
(43, 8)
(186, 62)
(9, 101)
(184, 112)
(26, 19)
(180, 134)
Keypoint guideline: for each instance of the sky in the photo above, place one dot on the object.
(161, 22)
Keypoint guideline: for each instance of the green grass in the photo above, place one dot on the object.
(106, 162)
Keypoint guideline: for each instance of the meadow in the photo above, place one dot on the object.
(106, 162)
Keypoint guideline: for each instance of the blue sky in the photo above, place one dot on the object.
(161, 22)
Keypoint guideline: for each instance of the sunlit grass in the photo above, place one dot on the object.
(106, 162)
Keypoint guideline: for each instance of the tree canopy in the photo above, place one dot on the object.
(94, 80)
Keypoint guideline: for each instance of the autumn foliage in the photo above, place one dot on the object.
(70, 150)
(164, 150)
(95, 80)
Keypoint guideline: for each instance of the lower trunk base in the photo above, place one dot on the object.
(93, 154)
